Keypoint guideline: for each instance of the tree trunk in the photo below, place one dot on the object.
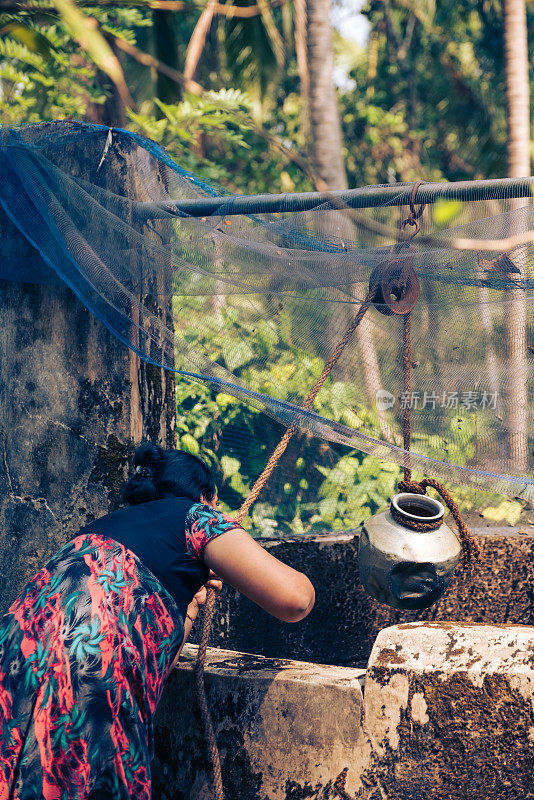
(518, 106)
(327, 156)
(73, 399)
(301, 27)
(166, 50)
(326, 144)
(112, 111)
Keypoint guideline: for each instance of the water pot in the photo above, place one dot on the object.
(402, 567)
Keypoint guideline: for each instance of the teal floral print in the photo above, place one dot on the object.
(203, 523)
(84, 653)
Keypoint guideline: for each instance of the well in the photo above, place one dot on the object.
(430, 708)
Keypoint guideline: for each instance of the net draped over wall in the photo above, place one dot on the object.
(260, 301)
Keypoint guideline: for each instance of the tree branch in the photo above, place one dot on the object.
(198, 40)
(223, 9)
(149, 61)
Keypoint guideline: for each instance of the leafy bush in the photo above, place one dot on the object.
(317, 486)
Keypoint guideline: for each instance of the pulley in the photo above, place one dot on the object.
(395, 287)
(402, 566)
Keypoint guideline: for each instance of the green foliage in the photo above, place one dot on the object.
(317, 486)
(221, 117)
(428, 97)
(444, 212)
(425, 99)
(80, 26)
(329, 488)
(41, 77)
(45, 75)
(505, 511)
(356, 487)
(333, 489)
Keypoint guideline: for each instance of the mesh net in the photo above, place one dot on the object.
(248, 308)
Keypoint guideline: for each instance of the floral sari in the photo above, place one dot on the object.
(84, 653)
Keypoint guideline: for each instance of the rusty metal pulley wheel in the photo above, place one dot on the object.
(395, 286)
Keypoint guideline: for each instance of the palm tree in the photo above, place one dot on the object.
(518, 106)
(326, 150)
(326, 142)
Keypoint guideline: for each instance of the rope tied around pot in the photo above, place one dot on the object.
(422, 526)
(470, 546)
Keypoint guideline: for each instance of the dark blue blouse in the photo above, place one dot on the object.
(168, 536)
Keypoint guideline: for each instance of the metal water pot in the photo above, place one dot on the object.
(402, 567)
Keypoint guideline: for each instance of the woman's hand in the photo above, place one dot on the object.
(213, 582)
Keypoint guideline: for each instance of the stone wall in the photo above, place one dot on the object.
(345, 622)
(74, 400)
(279, 725)
(446, 713)
(450, 712)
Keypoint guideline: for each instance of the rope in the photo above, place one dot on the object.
(209, 733)
(415, 525)
(470, 546)
(406, 392)
(209, 606)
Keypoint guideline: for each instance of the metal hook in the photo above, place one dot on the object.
(414, 215)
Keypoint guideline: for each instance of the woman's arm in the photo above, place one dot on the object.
(276, 587)
(240, 561)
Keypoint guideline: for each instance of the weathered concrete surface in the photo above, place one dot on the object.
(447, 714)
(286, 730)
(450, 712)
(73, 399)
(344, 623)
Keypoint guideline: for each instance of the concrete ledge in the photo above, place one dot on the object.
(279, 725)
(450, 712)
(447, 714)
(345, 622)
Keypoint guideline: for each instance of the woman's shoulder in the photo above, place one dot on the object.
(158, 514)
(203, 523)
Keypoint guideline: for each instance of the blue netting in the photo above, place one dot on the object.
(253, 305)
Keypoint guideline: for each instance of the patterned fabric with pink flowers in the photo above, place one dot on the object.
(203, 523)
(84, 652)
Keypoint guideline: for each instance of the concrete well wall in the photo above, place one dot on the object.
(446, 713)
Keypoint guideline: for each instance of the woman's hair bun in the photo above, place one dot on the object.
(149, 455)
(148, 462)
(160, 473)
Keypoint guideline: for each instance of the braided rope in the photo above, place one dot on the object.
(406, 390)
(470, 546)
(207, 724)
(209, 606)
(416, 525)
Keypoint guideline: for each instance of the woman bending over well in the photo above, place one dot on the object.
(87, 646)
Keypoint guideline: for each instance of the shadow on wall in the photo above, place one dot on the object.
(181, 768)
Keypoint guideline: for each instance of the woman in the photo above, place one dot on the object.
(86, 648)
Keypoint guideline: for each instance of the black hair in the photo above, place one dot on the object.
(163, 473)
